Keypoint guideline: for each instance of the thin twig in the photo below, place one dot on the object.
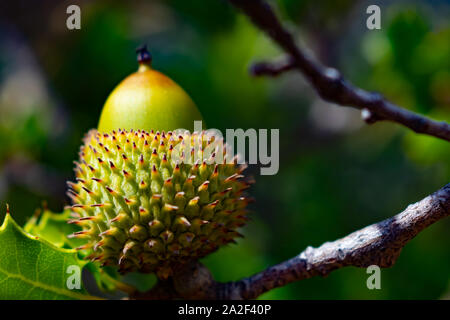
(328, 82)
(272, 69)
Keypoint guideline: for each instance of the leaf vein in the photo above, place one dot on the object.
(46, 287)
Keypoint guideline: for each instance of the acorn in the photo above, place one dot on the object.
(151, 200)
(148, 100)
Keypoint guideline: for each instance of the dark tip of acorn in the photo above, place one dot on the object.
(143, 55)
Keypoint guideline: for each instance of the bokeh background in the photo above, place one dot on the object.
(336, 173)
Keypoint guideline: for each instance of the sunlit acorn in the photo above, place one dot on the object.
(148, 100)
(149, 200)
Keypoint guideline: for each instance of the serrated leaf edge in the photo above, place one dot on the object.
(9, 220)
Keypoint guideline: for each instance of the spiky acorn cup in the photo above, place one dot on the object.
(144, 208)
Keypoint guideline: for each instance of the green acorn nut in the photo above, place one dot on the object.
(148, 100)
(144, 207)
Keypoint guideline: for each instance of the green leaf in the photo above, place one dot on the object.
(54, 228)
(32, 268)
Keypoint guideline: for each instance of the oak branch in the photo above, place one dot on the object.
(378, 244)
(328, 82)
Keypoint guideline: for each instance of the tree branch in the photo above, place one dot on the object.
(378, 244)
(328, 82)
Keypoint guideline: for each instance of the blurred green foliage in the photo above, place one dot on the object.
(330, 183)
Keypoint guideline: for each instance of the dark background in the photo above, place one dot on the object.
(336, 173)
